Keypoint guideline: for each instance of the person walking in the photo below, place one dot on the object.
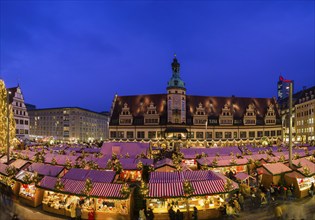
(72, 211)
(241, 201)
(311, 191)
(150, 214)
(195, 213)
(142, 215)
(78, 212)
(91, 214)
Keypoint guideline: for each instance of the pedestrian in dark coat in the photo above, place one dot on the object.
(150, 214)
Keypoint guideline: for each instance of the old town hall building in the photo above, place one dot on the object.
(191, 120)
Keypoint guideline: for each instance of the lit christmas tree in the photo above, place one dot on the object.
(3, 118)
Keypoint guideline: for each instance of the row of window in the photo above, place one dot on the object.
(199, 135)
(302, 122)
(19, 104)
(19, 112)
(21, 131)
(305, 130)
(21, 122)
(305, 113)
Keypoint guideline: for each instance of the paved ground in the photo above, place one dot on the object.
(293, 210)
(25, 213)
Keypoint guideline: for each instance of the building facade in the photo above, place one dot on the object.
(16, 100)
(69, 124)
(303, 130)
(176, 117)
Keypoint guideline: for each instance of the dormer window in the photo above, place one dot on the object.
(151, 116)
(226, 117)
(250, 115)
(200, 116)
(270, 117)
(125, 110)
(125, 117)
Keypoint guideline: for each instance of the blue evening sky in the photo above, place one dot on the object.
(80, 53)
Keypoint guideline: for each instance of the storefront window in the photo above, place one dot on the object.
(201, 202)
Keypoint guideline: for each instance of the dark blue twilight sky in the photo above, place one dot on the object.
(80, 53)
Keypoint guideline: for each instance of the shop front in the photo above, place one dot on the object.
(207, 192)
(106, 200)
(29, 194)
(301, 183)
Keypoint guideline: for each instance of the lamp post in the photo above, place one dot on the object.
(8, 128)
(206, 133)
(290, 124)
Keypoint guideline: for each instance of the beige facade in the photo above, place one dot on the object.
(305, 118)
(70, 124)
(20, 113)
(303, 104)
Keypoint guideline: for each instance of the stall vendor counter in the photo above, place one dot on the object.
(30, 195)
(208, 206)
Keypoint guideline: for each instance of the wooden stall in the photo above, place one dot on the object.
(169, 191)
(105, 198)
(273, 173)
(29, 194)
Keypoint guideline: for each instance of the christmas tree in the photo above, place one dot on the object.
(3, 119)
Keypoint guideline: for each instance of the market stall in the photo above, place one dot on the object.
(169, 190)
(6, 178)
(132, 170)
(302, 178)
(29, 194)
(300, 182)
(107, 199)
(164, 165)
(273, 173)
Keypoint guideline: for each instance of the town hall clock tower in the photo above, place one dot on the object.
(176, 96)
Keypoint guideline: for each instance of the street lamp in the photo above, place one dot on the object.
(290, 124)
(8, 127)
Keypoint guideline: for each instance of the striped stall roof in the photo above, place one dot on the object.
(208, 187)
(102, 162)
(74, 186)
(101, 176)
(61, 159)
(199, 175)
(45, 169)
(108, 190)
(159, 190)
(104, 176)
(49, 182)
(165, 177)
(76, 174)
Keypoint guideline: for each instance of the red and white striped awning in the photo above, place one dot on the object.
(165, 177)
(199, 175)
(208, 187)
(166, 189)
(108, 190)
(74, 186)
